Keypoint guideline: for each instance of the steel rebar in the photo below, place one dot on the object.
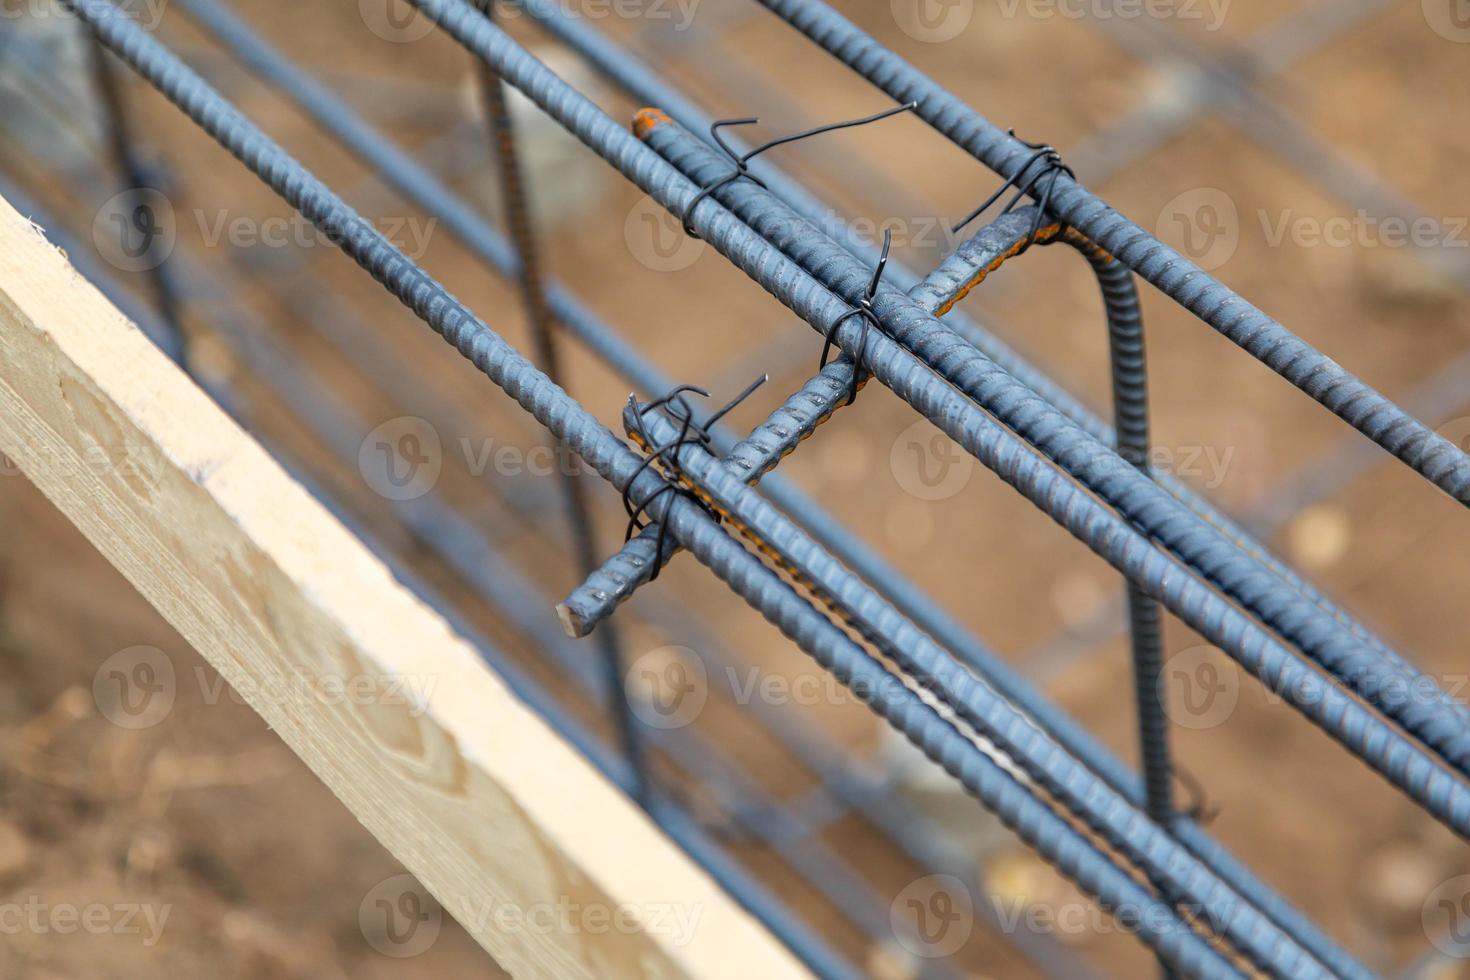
(611, 458)
(644, 84)
(1316, 375)
(1380, 676)
(523, 238)
(129, 169)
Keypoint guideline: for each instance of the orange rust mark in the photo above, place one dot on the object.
(646, 120)
(1082, 242)
(760, 544)
(1043, 235)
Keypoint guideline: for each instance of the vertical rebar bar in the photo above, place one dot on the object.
(520, 226)
(118, 136)
(1130, 418)
(1128, 366)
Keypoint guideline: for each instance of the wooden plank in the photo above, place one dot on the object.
(552, 870)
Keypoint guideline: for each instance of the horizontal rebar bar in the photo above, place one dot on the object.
(422, 187)
(461, 219)
(1374, 742)
(1383, 678)
(1398, 759)
(1316, 375)
(305, 397)
(643, 83)
(723, 485)
(1053, 837)
(840, 782)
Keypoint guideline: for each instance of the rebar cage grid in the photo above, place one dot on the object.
(1119, 837)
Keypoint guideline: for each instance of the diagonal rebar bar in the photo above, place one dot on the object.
(615, 462)
(1325, 381)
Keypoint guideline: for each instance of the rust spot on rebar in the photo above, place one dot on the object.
(776, 558)
(1087, 245)
(646, 120)
(1043, 236)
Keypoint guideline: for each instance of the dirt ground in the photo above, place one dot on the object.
(205, 814)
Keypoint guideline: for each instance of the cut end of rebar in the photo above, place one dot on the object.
(647, 120)
(575, 626)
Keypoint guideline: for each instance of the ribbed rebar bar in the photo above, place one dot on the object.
(723, 484)
(1375, 743)
(1054, 838)
(1383, 678)
(1315, 374)
(1130, 416)
(288, 382)
(420, 186)
(461, 219)
(532, 283)
(973, 261)
(121, 145)
(640, 81)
